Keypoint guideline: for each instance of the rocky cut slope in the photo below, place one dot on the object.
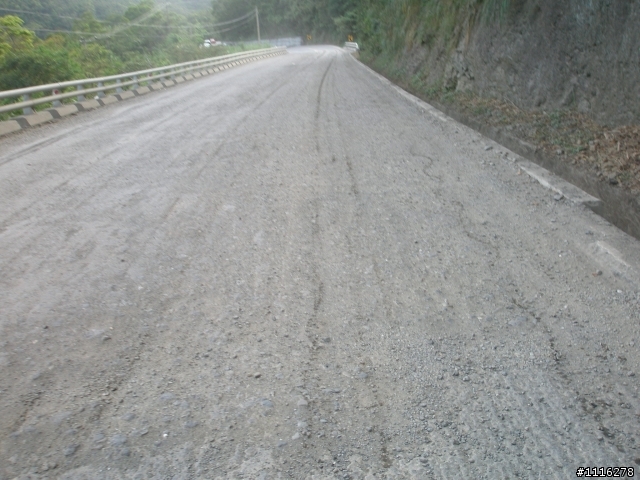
(545, 54)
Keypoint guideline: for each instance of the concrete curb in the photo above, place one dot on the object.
(9, 126)
(88, 105)
(35, 119)
(52, 114)
(619, 207)
(108, 100)
(613, 260)
(125, 95)
(613, 204)
(142, 90)
(63, 111)
(560, 186)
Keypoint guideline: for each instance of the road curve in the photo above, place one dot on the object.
(289, 270)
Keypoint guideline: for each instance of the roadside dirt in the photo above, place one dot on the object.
(610, 154)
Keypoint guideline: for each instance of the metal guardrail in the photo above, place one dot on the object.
(351, 46)
(115, 82)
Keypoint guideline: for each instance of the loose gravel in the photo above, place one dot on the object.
(287, 270)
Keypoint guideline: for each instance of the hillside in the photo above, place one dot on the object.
(60, 14)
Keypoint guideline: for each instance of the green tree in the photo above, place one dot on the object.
(13, 36)
(134, 36)
(96, 61)
(88, 23)
(37, 66)
(325, 20)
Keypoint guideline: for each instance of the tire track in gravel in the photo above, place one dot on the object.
(324, 77)
(313, 327)
(315, 323)
(339, 149)
(540, 416)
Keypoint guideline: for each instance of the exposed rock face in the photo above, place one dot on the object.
(582, 54)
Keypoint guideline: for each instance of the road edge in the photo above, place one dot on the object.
(609, 207)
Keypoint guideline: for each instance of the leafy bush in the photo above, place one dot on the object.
(96, 61)
(37, 66)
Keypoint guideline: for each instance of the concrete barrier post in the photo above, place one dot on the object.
(27, 110)
(56, 103)
(80, 97)
(119, 88)
(101, 92)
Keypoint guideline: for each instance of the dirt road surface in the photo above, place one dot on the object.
(288, 270)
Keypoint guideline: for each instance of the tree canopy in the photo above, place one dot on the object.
(45, 15)
(69, 40)
(324, 20)
(13, 36)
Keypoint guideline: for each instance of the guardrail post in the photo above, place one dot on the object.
(101, 92)
(118, 88)
(81, 98)
(26, 110)
(56, 103)
(135, 85)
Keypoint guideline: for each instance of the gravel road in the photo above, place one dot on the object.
(289, 270)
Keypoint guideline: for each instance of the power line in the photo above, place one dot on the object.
(234, 23)
(48, 30)
(13, 10)
(96, 34)
(247, 17)
(250, 14)
(212, 25)
(246, 22)
(127, 26)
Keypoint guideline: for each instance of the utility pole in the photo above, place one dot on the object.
(258, 22)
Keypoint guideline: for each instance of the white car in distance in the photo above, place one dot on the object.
(210, 42)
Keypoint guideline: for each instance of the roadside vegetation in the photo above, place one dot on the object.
(142, 35)
(54, 45)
